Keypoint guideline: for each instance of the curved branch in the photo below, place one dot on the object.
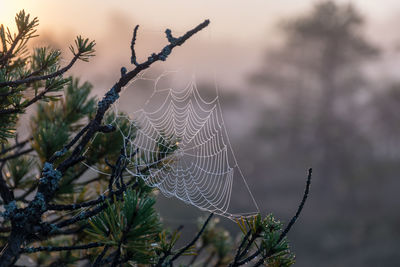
(287, 229)
(299, 209)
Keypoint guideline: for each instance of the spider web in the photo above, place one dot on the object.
(178, 143)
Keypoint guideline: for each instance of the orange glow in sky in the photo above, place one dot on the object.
(236, 38)
(233, 19)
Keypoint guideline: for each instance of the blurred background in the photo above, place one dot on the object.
(302, 84)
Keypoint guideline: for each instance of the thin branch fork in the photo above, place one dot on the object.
(185, 248)
(113, 94)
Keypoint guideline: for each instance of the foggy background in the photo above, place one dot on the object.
(302, 84)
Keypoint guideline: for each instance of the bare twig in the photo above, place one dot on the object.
(191, 243)
(133, 57)
(285, 231)
(299, 209)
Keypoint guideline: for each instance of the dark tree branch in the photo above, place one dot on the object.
(191, 243)
(161, 260)
(133, 57)
(299, 209)
(32, 74)
(72, 231)
(251, 241)
(95, 211)
(43, 77)
(99, 258)
(285, 231)
(16, 155)
(15, 146)
(27, 104)
(70, 144)
(66, 248)
(77, 206)
(239, 250)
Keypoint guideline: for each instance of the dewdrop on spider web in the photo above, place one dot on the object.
(182, 148)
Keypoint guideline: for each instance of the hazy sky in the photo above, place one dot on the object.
(233, 43)
(237, 20)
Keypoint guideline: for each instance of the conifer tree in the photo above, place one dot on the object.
(54, 215)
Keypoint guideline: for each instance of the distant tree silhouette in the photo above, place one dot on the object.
(317, 80)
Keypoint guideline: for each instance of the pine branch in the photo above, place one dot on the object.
(41, 78)
(25, 32)
(88, 214)
(27, 104)
(122, 240)
(15, 146)
(32, 74)
(61, 71)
